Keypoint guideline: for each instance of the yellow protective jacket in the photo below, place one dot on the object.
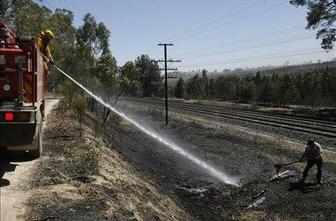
(45, 50)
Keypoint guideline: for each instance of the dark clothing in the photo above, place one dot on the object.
(310, 164)
(312, 152)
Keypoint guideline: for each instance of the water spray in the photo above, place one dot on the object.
(210, 169)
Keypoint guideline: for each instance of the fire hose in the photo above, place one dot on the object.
(278, 167)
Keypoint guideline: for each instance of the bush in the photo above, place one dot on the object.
(67, 91)
(84, 161)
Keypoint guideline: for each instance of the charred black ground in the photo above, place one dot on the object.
(250, 156)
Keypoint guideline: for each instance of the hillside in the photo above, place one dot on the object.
(264, 71)
(83, 177)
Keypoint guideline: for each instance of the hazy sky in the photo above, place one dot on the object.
(211, 34)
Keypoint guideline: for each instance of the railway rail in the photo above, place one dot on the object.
(313, 126)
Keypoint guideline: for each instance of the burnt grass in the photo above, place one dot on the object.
(82, 177)
(251, 158)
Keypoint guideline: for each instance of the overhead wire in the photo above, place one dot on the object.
(214, 21)
(254, 58)
(238, 49)
(219, 24)
(209, 23)
(199, 66)
(254, 38)
(230, 22)
(244, 9)
(230, 15)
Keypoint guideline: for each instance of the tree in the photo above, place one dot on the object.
(16, 14)
(287, 90)
(103, 35)
(265, 91)
(325, 87)
(227, 87)
(105, 70)
(258, 79)
(82, 52)
(321, 14)
(5, 9)
(130, 81)
(149, 75)
(311, 88)
(61, 23)
(179, 89)
(93, 35)
(205, 84)
(86, 34)
(93, 47)
(332, 86)
(275, 90)
(212, 88)
(247, 90)
(299, 88)
(194, 87)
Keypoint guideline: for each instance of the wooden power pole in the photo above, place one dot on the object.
(166, 69)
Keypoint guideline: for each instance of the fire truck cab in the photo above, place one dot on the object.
(22, 84)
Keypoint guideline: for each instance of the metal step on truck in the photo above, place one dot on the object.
(22, 85)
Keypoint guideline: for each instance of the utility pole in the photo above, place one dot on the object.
(166, 75)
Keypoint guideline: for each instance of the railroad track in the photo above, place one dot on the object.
(313, 126)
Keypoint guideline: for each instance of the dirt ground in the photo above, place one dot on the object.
(118, 173)
(16, 172)
(82, 177)
(239, 152)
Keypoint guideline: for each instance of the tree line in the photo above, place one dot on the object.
(310, 88)
(84, 53)
(315, 87)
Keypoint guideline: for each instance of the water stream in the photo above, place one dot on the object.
(169, 143)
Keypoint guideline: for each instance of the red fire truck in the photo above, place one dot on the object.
(22, 84)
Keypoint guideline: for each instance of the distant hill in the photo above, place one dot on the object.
(269, 70)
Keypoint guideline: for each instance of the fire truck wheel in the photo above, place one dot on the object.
(36, 153)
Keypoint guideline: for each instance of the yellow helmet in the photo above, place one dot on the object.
(48, 33)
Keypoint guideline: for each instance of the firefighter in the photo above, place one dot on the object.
(42, 43)
(313, 156)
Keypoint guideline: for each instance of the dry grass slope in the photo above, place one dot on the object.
(84, 178)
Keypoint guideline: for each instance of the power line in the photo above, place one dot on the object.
(215, 21)
(284, 53)
(254, 58)
(251, 14)
(251, 60)
(221, 52)
(230, 22)
(179, 36)
(258, 37)
(211, 22)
